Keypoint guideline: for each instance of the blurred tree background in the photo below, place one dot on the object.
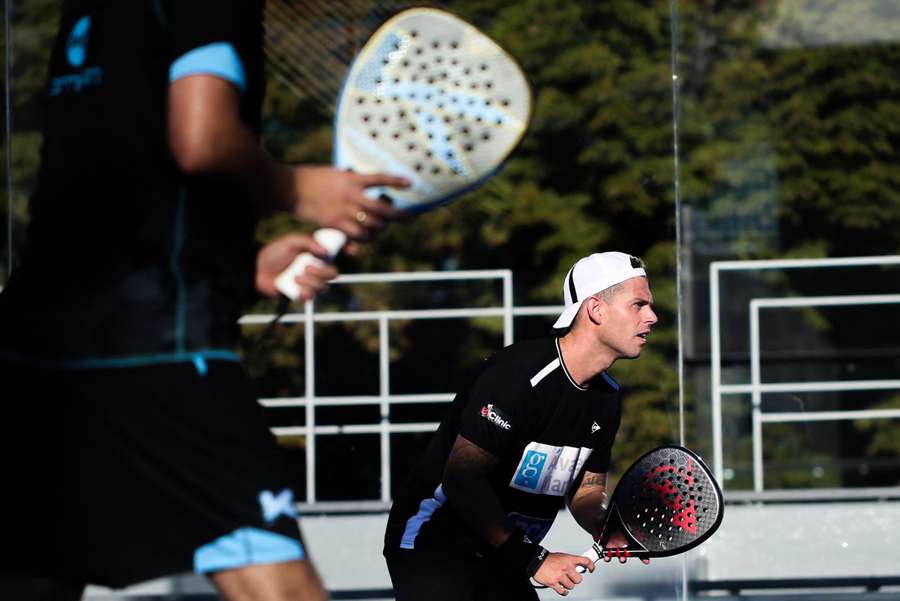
(789, 125)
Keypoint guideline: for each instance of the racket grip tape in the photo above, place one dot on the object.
(595, 554)
(333, 240)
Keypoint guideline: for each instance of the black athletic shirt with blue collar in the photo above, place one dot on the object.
(128, 261)
(526, 410)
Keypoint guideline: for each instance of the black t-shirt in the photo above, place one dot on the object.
(126, 258)
(525, 410)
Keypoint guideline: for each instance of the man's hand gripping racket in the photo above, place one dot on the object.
(429, 98)
(666, 503)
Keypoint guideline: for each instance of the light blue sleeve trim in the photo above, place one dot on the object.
(219, 59)
(199, 358)
(244, 547)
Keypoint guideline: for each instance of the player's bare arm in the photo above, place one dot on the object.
(466, 486)
(207, 136)
(588, 501)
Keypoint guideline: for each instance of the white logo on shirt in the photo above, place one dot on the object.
(273, 506)
(495, 416)
(595, 427)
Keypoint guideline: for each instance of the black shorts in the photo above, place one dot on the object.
(114, 476)
(449, 575)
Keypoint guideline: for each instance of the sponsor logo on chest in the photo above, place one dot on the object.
(548, 470)
(495, 416)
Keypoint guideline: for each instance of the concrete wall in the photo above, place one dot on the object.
(773, 541)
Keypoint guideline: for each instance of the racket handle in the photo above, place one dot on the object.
(595, 554)
(333, 240)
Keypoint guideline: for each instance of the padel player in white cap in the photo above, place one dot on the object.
(535, 427)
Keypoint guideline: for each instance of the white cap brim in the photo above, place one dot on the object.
(568, 315)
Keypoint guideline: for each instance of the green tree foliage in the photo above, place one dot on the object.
(33, 25)
(789, 125)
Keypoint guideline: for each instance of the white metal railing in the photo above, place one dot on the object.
(756, 388)
(384, 399)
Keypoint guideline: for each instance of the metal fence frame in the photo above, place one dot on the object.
(756, 387)
(385, 399)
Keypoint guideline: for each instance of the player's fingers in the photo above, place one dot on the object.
(383, 179)
(645, 561)
(316, 276)
(322, 272)
(567, 581)
(583, 564)
(369, 219)
(351, 248)
(300, 243)
(310, 287)
(379, 208)
(352, 228)
(560, 590)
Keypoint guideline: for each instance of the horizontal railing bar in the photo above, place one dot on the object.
(356, 429)
(803, 263)
(266, 318)
(826, 301)
(822, 416)
(331, 401)
(830, 386)
(420, 276)
(812, 494)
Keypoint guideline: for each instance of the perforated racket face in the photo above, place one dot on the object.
(433, 99)
(668, 501)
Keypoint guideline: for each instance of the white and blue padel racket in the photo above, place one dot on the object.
(431, 98)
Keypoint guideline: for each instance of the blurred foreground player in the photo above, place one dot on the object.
(131, 435)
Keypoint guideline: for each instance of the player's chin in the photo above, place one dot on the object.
(637, 347)
(633, 353)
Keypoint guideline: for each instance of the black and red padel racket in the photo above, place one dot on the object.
(666, 503)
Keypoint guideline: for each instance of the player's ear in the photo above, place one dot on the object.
(595, 308)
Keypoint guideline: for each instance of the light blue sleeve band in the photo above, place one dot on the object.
(244, 547)
(219, 59)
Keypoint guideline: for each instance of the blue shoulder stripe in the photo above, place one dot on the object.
(219, 59)
(609, 379)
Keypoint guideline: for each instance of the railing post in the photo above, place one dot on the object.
(384, 391)
(309, 383)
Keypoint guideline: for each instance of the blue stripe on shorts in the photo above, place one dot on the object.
(244, 547)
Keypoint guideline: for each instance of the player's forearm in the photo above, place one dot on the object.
(588, 502)
(231, 151)
(588, 508)
(475, 501)
(208, 137)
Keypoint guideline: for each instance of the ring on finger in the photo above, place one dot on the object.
(361, 216)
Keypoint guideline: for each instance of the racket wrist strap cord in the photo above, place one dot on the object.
(518, 552)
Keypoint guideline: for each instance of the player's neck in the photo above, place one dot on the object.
(583, 358)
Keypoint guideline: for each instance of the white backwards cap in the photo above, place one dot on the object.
(592, 274)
